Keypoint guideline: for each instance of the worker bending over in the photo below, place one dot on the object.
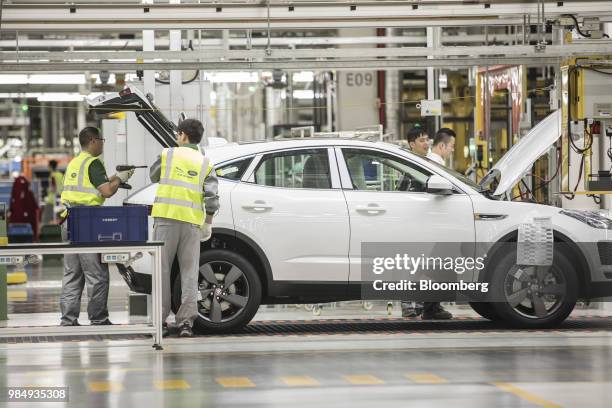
(185, 203)
(56, 183)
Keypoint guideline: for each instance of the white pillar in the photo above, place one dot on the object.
(176, 78)
(434, 35)
(148, 44)
(330, 98)
(228, 113)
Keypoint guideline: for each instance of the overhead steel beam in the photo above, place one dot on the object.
(11, 88)
(101, 43)
(595, 47)
(289, 65)
(323, 14)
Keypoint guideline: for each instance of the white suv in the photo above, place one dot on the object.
(294, 215)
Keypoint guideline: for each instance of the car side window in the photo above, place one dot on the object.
(235, 170)
(305, 168)
(376, 171)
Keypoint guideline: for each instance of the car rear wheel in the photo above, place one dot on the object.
(534, 296)
(229, 292)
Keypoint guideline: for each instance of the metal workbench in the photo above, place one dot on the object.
(154, 328)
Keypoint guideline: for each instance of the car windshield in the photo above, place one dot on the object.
(456, 175)
(452, 172)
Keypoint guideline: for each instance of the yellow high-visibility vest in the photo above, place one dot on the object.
(58, 177)
(181, 185)
(78, 189)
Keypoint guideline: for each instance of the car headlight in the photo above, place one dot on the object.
(596, 219)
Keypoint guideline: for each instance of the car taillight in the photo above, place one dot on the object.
(125, 92)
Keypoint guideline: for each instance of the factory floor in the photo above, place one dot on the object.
(346, 357)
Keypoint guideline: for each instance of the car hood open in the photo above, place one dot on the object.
(519, 159)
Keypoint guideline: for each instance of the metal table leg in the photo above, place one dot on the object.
(157, 299)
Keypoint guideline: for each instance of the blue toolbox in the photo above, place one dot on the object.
(20, 233)
(108, 224)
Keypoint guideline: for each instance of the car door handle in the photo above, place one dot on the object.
(257, 205)
(371, 209)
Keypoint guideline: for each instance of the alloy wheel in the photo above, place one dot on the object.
(223, 291)
(535, 292)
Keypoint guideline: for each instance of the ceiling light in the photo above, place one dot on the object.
(232, 77)
(42, 79)
(303, 76)
(303, 94)
(60, 97)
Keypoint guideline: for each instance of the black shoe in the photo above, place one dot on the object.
(436, 312)
(74, 323)
(104, 322)
(185, 331)
(165, 330)
(412, 312)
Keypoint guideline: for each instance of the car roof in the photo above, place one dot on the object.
(234, 150)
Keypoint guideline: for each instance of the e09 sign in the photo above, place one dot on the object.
(359, 79)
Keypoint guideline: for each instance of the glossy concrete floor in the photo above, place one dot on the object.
(473, 364)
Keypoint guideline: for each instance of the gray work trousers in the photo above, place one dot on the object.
(180, 239)
(81, 270)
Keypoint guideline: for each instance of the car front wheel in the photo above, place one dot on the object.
(229, 292)
(534, 296)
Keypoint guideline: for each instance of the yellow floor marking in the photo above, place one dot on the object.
(84, 371)
(105, 386)
(17, 277)
(300, 381)
(172, 385)
(235, 382)
(17, 295)
(426, 378)
(363, 379)
(534, 399)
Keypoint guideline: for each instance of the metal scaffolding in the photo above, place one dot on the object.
(135, 16)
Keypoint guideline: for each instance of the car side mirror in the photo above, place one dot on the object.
(439, 185)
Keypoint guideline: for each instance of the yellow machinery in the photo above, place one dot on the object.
(500, 95)
(586, 104)
(585, 94)
(458, 108)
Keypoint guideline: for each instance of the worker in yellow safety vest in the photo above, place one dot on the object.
(185, 203)
(55, 184)
(86, 183)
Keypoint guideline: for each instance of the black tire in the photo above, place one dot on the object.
(556, 285)
(486, 310)
(247, 286)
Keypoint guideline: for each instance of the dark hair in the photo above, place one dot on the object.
(415, 133)
(443, 135)
(193, 128)
(87, 135)
(53, 164)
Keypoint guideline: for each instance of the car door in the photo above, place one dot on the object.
(387, 202)
(291, 204)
